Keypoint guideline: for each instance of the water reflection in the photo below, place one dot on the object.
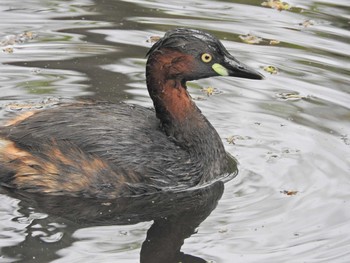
(54, 220)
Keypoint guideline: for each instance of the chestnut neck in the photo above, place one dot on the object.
(178, 114)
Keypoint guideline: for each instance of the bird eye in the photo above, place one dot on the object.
(206, 57)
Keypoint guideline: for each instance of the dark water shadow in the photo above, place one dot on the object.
(175, 216)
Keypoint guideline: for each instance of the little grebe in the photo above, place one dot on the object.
(108, 150)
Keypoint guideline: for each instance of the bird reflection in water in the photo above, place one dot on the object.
(176, 215)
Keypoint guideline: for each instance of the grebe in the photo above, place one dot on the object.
(106, 150)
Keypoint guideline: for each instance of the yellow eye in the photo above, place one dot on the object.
(206, 57)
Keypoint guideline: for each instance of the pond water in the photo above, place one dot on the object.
(290, 132)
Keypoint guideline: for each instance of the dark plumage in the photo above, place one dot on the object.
(109, 150)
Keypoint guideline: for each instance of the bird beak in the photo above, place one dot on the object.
(232, 67)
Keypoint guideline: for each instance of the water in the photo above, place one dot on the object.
(290, 132)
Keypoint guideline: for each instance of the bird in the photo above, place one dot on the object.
(99, 149)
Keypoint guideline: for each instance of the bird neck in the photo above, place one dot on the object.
(178, 114)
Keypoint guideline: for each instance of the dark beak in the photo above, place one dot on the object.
(232, 67)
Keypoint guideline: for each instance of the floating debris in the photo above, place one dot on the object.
(233, 138)
(250, 39)
(271, 69)
(15, 39)
(307, 23)
(274, 42)
(276, 4)
(10, 40)
(289, 192)
(24, 37)
(210, 91)
(153, 39)
(290, 96)
(29, 35)
(8, 50)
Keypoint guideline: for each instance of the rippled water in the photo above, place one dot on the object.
(290, 132)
